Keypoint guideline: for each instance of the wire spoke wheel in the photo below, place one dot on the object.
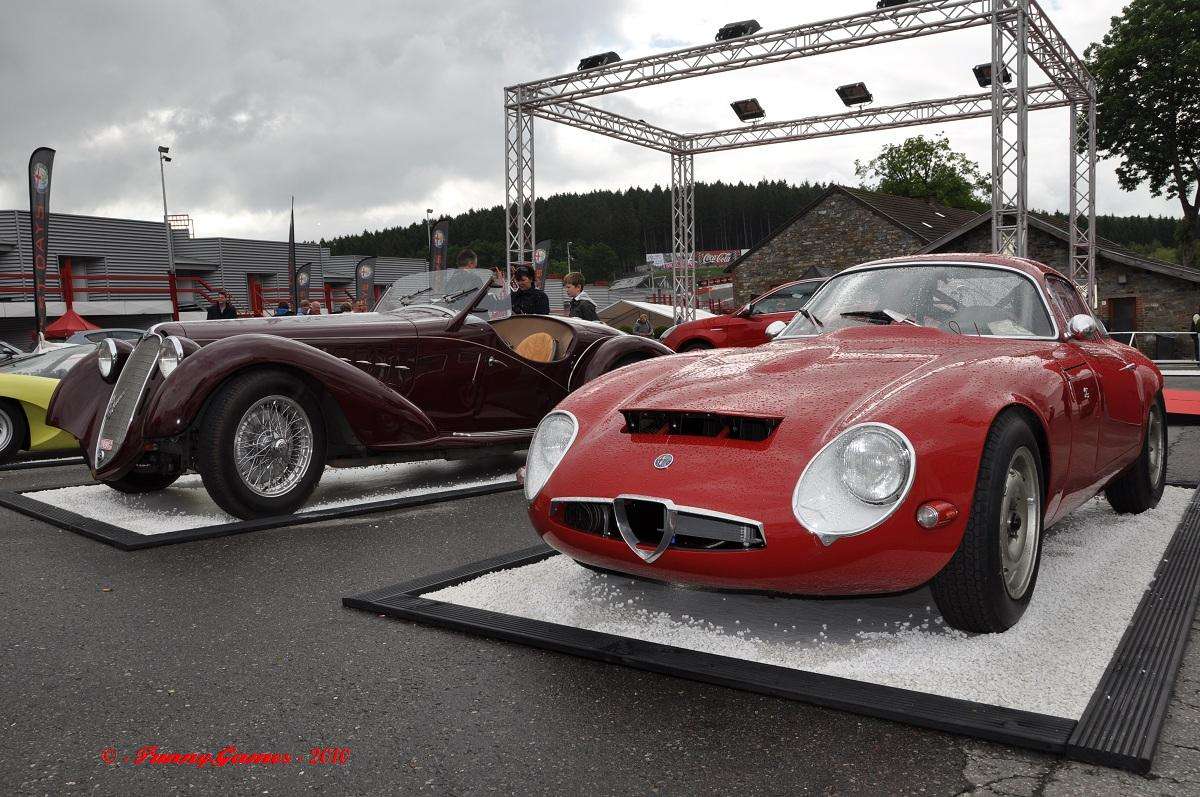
(273, 446)
(1020, 522)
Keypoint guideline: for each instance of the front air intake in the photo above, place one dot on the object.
(700, 424)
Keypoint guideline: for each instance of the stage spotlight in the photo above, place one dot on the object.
(600, 59)
(854, 94)
(736, 30)
(748, 110)
(983, 74)
(890, 3)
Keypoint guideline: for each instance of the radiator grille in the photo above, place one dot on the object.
(699, 424)
(126, 398)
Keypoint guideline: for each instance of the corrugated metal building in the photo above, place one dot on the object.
(118, 271)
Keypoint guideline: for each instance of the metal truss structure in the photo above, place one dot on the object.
(1021, 32)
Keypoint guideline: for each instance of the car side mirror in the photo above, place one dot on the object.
(1081, 326)
(774, 328)
(745, 312)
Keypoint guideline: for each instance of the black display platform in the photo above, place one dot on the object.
(49, 462)
(128, 540)
(1119, 728)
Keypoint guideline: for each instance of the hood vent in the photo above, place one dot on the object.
(699, 424)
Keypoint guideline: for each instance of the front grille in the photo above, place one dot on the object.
(700, 424)
(695, 529)
(126, 398)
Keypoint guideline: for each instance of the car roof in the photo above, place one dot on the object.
(1023, 264)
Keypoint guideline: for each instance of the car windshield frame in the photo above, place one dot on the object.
(1039, 291)
(17, 367)
(422, 290)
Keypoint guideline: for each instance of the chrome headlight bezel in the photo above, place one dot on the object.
(821, 486)
(107, 357)
(535, 480)
(170, 355)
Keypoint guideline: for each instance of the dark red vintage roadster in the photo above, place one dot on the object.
(921, 420)
(259, 407)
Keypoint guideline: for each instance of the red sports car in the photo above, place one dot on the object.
(748, 326)
(922, 420)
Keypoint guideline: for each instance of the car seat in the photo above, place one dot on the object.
(539, 347)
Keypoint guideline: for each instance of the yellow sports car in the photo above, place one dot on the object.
(26, 383)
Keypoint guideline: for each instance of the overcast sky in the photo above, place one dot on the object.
(371, 112)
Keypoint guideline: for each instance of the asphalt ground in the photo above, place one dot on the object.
(242, 641)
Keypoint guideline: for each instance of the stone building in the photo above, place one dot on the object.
(847, 226)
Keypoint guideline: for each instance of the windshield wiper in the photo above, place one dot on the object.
(883, 316)
(453, 297)
(809, 315)
(404, 299)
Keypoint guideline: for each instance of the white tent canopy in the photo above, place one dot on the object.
(624, 312)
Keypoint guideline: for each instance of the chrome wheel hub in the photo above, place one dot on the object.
(1155, 445)
(273, 446)
(6, 430)
(1020, 522)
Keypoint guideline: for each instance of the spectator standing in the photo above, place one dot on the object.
(643, 326)
(528, 299)
(360, 306)
(1196, 332)
(222, 307)
(578, 304)
(283, 309)
(314, 307)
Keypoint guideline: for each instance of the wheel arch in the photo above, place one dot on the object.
(607, 353)
(1037, 426)
(372, 412)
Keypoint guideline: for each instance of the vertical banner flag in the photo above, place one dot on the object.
(541, 262)
(303, 274)
(441, 245)
(293, 285)
(364, 282)
(41, 162)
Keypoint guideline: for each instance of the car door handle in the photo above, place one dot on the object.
(493, 361)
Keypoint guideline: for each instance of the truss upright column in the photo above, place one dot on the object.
(683, 237)
(1010, 117)
(1083, 196)
(518, 182)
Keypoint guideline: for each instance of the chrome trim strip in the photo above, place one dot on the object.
(489, 435)
(1058, 334)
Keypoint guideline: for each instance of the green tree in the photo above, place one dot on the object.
(926, 168)
(1146, 71)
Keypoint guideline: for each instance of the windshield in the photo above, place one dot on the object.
(968, 300)
(53, 364)
(451, 289)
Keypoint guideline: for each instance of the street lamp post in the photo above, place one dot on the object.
(569, 269)
(164, 158)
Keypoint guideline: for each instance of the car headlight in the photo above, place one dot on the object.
(667, 332)
(106, 358)
(855, 482)
(170, 355)
(553, 437)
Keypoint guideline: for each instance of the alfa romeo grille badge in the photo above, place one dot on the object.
(664, 461)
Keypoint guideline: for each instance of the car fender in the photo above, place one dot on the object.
(32, 394)
(603, 354)
(374, 412)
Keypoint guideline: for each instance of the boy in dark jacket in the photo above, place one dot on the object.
(578, 304)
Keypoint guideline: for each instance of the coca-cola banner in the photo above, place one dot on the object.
(707, 257)
(41, 163)
(364, 282)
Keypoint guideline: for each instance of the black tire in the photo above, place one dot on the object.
(971, 591)
(14, 429)
(134, 483)
(216, 460)
(1138, 487)
(695, 345)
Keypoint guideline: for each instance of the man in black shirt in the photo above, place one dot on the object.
(527, 299)
(222, 307)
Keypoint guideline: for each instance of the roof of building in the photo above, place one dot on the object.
(924, 219)
(1108, 249)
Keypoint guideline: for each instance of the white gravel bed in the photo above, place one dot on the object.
(186, 504)
(1095, 567)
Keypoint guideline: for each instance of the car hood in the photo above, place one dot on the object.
(304, 328)
(814, 383)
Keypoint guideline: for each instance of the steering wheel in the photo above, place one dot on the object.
(942, 306)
